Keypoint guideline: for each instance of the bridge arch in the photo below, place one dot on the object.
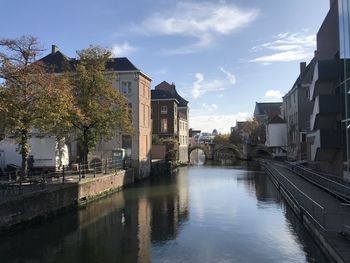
(202, 147)
(238, 153)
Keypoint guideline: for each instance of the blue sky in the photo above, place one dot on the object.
(223, 56)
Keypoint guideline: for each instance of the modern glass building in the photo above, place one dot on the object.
(344, 54)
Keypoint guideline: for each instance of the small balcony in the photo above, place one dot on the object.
(326, 72)
(326, 108)
(324, 144)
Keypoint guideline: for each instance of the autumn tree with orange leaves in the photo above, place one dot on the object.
(31, 96)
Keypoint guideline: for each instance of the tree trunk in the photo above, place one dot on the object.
(85, 147)
(60, 149)
(24, 153)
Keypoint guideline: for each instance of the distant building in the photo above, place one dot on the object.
(193, 136)
(276, 136)
(262, 113)
(170, 114)
(297, 108)
(265, 110)
(135, 86)
(215, 132)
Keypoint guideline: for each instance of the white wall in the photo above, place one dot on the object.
(276, 135)
(43, 150)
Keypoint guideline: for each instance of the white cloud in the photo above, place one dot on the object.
(199, 86)
(209, 107)
(282, 57)
(123, 49)
(222, 123)
(231, 78)
(201, 21)
(274, 95)
(287, 47)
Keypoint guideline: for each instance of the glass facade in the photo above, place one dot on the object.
(344, 26)
(344, 48)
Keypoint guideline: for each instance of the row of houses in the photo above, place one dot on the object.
(312, 124)
(161, 110)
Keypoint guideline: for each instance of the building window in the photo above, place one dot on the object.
(143, 90)
(164, 110)
(143, 115)
(126, 87)
(164, 125)
(147, 116)
(127, 145)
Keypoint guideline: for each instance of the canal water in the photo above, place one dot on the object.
(198, 214)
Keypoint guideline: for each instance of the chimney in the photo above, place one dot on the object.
(54, 49)
(302, 67)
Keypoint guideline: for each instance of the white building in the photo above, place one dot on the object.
(276, 136)
(43, 149)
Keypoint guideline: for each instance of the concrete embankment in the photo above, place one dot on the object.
(56, 198)
(316, 209)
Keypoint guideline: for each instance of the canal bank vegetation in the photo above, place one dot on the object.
(171, 147)
(171, 151)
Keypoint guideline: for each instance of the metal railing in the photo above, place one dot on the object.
(335, 219)
(309, 206)
(336, 186)
(12, 185)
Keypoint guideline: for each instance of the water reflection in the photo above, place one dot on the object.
(200, 214)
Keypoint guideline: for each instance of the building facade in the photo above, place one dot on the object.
(276, 137)
(266, 110)
(263, 112)
(135, 86)
(297, 108)
(170, 114)
(325, 140)
(344, 88)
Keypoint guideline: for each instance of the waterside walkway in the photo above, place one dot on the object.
(324, 212)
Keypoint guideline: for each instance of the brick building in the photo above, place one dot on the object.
(170, 116)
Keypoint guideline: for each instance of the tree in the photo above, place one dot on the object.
(222, 139)
(235, 137)
(101, 110)
(255, 131)
(31, 96)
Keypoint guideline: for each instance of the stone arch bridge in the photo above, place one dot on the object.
(248, 152)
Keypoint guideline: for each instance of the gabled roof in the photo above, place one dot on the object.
(121, 64)
(267, 108)
(60, 62)
(172, 90)
(162, 95)
(276, 119)
(305, 77)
